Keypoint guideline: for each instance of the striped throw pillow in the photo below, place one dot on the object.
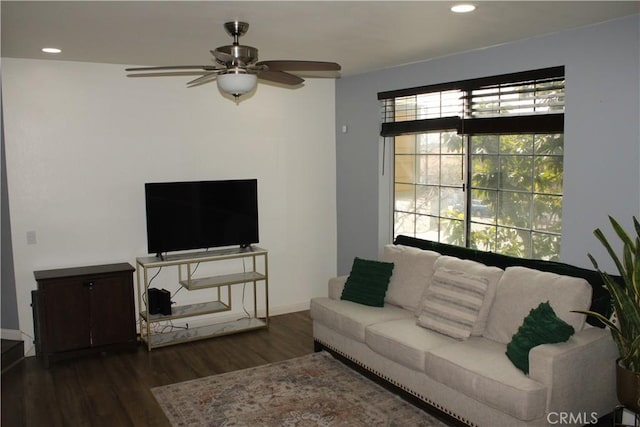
(451, 304)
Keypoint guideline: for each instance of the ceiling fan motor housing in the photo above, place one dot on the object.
(242, 55)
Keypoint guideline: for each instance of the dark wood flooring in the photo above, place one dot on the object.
(113, 389)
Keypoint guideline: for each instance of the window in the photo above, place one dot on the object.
(479, 163)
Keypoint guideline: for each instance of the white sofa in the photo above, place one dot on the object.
(471, 379)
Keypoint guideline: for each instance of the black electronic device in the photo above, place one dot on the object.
(159, 301)
(201, 214)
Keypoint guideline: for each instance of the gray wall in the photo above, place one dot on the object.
(602, 135)
(9, 307)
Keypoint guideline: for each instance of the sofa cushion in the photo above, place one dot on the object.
(368, 281)
(452, 302)
(350, 319)
(412, 272)
(479, 368)
(541, 326)
(477, 269)
(403, 341)
(520, 289)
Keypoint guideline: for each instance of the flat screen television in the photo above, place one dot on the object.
(201, 214)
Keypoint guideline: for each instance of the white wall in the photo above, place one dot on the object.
(602, 133)
(82, 139)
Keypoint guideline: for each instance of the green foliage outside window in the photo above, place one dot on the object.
(514, 184)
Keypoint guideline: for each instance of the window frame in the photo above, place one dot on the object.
(550, 120)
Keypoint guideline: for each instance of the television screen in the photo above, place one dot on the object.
(201, 214)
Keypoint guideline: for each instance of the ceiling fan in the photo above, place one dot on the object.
(236, 68)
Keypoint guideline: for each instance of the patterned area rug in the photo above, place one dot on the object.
(314, 390)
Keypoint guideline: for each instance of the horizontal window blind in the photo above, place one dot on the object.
(530, 97)
(531, 101)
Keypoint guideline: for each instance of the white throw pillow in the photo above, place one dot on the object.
(412, 272)
(452, 303)
(520, 289)
(493, 274)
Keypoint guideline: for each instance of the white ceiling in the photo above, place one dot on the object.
(360, 35)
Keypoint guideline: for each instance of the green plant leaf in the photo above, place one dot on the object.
(601, 318)
(600, 235)
(625, 297)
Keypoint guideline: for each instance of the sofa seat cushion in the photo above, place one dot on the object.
(479, 368)
(350, 318)
(404, 342)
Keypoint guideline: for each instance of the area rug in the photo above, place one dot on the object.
(313, 390)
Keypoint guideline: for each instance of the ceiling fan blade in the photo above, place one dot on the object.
(207, 78)
(300, 65)
(174, 67)
(280, 77)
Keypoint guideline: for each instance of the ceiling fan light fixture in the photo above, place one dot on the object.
(237, 82)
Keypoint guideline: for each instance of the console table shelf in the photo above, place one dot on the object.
(202, 332)
(188, 310)
(187, 265)
(222, 280)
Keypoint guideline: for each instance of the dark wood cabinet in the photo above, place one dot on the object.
(83, 310)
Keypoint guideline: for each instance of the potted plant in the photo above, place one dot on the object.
(625, 323)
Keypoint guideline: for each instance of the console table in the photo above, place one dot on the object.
(220, 285)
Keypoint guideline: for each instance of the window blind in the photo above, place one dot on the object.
(530, 101)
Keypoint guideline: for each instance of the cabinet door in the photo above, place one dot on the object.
(65, 306)
(112, 310)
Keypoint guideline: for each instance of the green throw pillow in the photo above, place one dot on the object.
(368, 282)
(541, 326)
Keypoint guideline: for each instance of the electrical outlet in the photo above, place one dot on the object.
(31, 237)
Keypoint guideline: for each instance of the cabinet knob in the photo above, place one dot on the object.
(89, 285)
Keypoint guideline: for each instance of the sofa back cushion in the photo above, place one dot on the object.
(600, 300)
(492, 274)
(412, 273)
(521, 289)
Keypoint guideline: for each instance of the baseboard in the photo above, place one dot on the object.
(286, 309)
(11, 334)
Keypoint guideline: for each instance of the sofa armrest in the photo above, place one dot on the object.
(336, 284)
(580, 373)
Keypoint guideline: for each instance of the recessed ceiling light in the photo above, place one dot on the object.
(463, 8)
(51, 50)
